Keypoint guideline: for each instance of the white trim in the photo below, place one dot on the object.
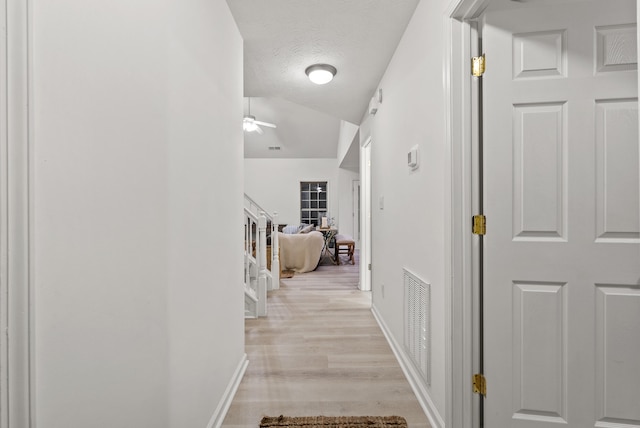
(356, 207)
(4, 307)
(472, 244)
(19, 215)
(223, 406)
(467, 9)
(451, 404)
(461, 353)
(413, 377)
(366, 209)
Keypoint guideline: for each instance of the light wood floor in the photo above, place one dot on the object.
(320, 352)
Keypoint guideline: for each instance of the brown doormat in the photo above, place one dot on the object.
(334, 422)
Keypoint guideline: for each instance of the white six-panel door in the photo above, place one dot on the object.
(561, 186)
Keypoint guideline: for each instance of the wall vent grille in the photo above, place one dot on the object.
(417, 335)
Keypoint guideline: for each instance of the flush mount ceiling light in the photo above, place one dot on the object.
(321, 73)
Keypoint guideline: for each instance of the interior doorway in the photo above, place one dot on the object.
(355, 191)
(588, 216)
(365, 216)
(560, 122)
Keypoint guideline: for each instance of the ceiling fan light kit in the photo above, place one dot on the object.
(321, 73)
(250, 124)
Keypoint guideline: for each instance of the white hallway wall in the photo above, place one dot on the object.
(348, 132)
(138, 308)
(410, 231)
(275, 185)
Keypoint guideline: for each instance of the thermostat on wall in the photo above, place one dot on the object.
(412, 157)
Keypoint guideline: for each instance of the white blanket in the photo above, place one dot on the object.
(300, 252)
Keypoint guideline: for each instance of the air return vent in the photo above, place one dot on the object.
(417, 335)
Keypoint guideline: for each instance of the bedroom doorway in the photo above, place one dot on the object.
(540, 392)
(365, 216)
(355, 192)
(560, 177)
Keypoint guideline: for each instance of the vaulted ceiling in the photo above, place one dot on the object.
(283, 37)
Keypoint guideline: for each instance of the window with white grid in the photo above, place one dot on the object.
(313, 201)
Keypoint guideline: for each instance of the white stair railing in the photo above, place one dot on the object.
(252, 206)
(275, 253)
(250, 265)
(261, 254)
(258, 278)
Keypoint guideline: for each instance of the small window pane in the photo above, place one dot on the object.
(313, 201)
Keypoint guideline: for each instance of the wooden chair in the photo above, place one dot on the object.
(344, 244)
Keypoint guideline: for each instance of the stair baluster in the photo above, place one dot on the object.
(261, 254)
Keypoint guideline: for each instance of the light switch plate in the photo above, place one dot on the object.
(412, 157)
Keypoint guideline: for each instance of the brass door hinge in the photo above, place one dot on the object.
(479, 225)
(477, 65)
(479, 384)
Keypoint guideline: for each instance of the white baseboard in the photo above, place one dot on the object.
(415, 380)
(229, 393)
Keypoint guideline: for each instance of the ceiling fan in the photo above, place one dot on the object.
(250, 124)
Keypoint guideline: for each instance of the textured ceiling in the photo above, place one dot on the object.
(283, 37)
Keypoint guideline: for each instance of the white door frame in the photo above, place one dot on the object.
(4, 307)
(356, 208)
(365, 215)
(16, 361)
(461, 353)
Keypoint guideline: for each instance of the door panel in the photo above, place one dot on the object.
(539, 171)
(617, 340)
(617, 191)
(539, 332)
(561, 186)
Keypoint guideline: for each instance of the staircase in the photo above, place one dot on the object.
(259, 276)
